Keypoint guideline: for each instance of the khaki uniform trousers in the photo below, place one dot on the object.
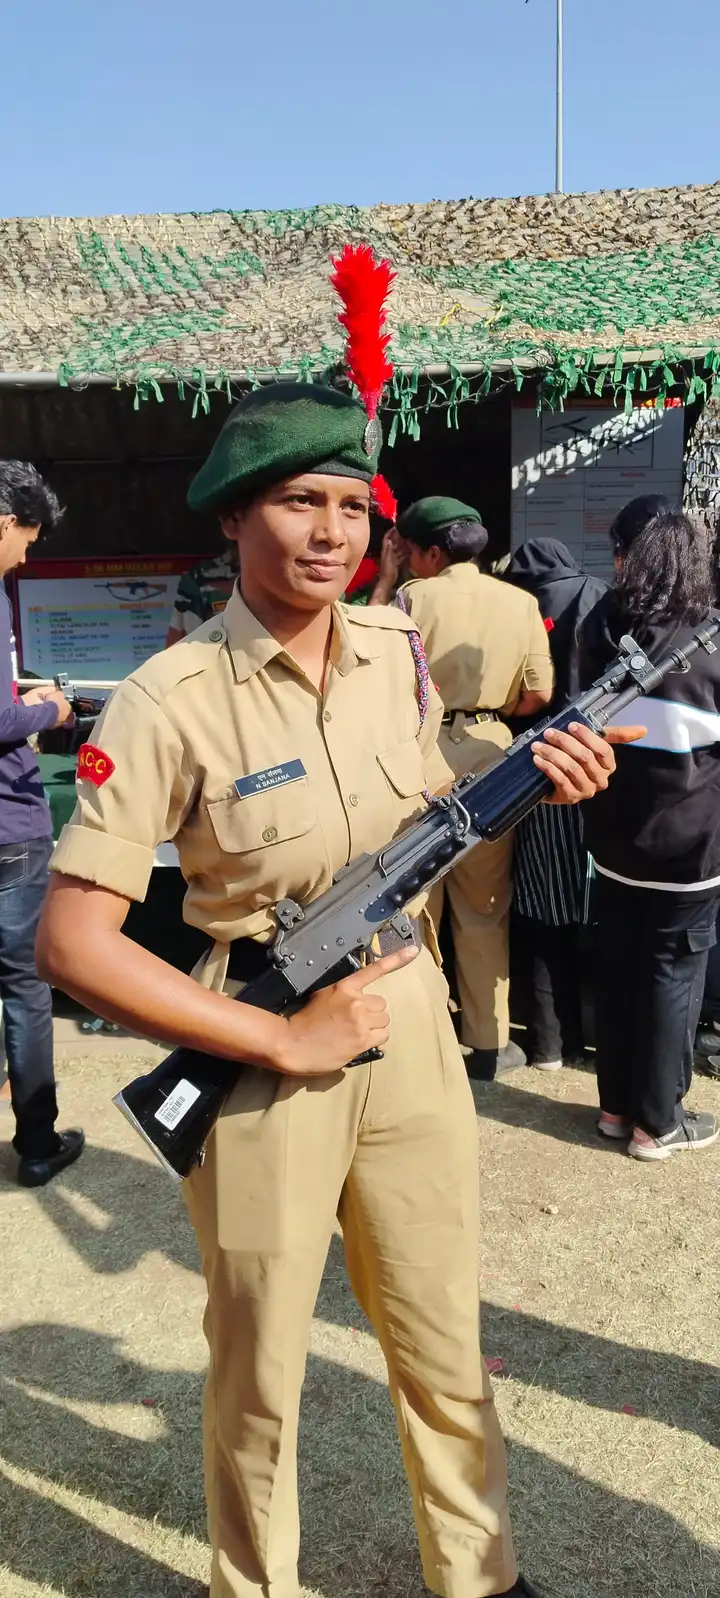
(479, 890)
(391, 1150)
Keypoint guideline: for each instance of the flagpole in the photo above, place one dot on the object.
(559, 102)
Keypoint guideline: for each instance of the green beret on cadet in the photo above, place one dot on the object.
(430, 515)
(280, 430)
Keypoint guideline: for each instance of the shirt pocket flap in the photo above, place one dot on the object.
(262, 819)
(404, 768)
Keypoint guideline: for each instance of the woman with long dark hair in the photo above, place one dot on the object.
(655, 839)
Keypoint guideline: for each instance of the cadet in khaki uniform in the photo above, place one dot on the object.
(273, 746)
(489, 657)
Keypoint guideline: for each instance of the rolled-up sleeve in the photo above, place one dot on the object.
(117, 824)
(538, 671)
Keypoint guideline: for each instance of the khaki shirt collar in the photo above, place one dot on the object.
(460, 567)
(252, 647)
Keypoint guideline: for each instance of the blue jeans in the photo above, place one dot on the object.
(27, 1010)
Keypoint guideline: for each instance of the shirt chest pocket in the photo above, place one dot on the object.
(404, 769)
(262, 820)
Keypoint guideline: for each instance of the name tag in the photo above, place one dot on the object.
(274, 777)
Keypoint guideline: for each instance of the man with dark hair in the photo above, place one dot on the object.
(27, 507)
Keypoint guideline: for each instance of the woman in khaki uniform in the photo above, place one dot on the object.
(489, 658)
(273, 746)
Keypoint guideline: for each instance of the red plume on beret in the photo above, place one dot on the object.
(382, 499)
(363, 285)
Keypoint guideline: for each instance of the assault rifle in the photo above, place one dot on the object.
(175, 1107)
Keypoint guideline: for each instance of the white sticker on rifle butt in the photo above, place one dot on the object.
(177, 1104)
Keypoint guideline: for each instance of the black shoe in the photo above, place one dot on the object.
(36, 1173)
(483, 1065)
(707, 1042)
(522, 1589)
(709, 1065)
(707, 1050)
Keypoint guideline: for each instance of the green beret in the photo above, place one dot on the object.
(428, 516)
(280, 430)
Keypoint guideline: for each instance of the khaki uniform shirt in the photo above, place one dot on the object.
(230, 703)
(486, 641)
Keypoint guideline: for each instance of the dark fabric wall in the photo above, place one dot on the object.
(123, 473)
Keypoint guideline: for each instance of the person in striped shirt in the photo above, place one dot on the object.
(550, 866)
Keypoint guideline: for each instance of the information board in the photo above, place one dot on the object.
(95, 619)
(573, 470)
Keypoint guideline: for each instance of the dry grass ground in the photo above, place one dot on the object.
(601, 1288)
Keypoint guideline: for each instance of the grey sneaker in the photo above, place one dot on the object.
(699, 1130)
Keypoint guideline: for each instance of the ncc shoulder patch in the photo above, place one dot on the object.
(94, 766)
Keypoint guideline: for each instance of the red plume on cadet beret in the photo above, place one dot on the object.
(383, 500)
(363, 284)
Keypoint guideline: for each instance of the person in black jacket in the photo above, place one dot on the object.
(550, 862)
(655, 839)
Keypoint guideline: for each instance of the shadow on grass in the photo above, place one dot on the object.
(141, 1212)
(678, 1392)
(556, 1118)
(578, 1539)
(138, 1209)
(47, 1544)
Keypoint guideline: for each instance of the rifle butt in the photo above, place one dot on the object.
(174, 1108)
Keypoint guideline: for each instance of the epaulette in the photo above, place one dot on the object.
(187, 658)
(413, 582)
(378, 616)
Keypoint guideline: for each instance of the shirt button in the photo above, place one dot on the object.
(217, 635)
(353, 799)
(327, 716)
(270, 834)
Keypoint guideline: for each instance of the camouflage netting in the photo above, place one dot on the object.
(610, 293)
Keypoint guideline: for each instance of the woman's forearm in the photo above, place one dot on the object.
(116, 978)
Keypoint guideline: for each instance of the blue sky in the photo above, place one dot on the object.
(171, 105)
